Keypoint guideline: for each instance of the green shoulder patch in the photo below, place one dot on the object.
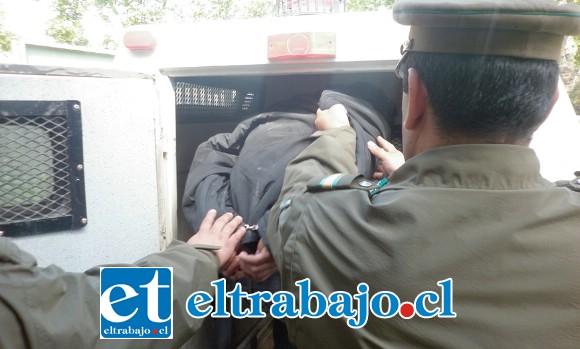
(344, 181)
(573, 184)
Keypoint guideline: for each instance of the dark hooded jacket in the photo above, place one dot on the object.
(242, 171)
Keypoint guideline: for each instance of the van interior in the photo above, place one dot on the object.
(209, 105)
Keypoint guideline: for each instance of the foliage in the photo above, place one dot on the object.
(109, 43)
(575, 98)
(260, 8)
(5, 41)
(368, 5)
(5, 36)
(66, 27)
(577, 43)
(131, 12)
(575, 92)
(576, 38)
(223, 9)
(211, 9)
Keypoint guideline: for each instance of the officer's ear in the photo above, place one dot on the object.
(416, 100)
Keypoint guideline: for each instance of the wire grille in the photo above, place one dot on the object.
(306, 7)
(34, 170)
(210, 100)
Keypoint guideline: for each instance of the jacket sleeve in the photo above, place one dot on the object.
(331, 152)
(50, 308)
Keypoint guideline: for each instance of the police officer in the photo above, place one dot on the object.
(479, 77)
(50, 308)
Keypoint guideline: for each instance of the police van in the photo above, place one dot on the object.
(94, 161)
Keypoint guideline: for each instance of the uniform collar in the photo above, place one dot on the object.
(473, 166)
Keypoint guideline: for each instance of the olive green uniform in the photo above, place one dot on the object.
(480, 214)
(51, 309)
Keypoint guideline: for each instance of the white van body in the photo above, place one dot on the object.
(139, 140)
(119, 111)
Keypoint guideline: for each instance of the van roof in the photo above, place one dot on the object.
(365, 41)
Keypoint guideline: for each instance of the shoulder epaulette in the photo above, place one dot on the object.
(339, 181)
(573, 184)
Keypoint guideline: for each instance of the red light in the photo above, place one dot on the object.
(298, 44)
(302, 45)
(139, 40)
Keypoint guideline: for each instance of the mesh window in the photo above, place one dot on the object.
(302, 7)
(41, 171)
(211, 101)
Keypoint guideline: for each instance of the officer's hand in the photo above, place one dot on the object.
(224, 231)
(258, 266)
(389, 157)
(333, 117)
(232, 268)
